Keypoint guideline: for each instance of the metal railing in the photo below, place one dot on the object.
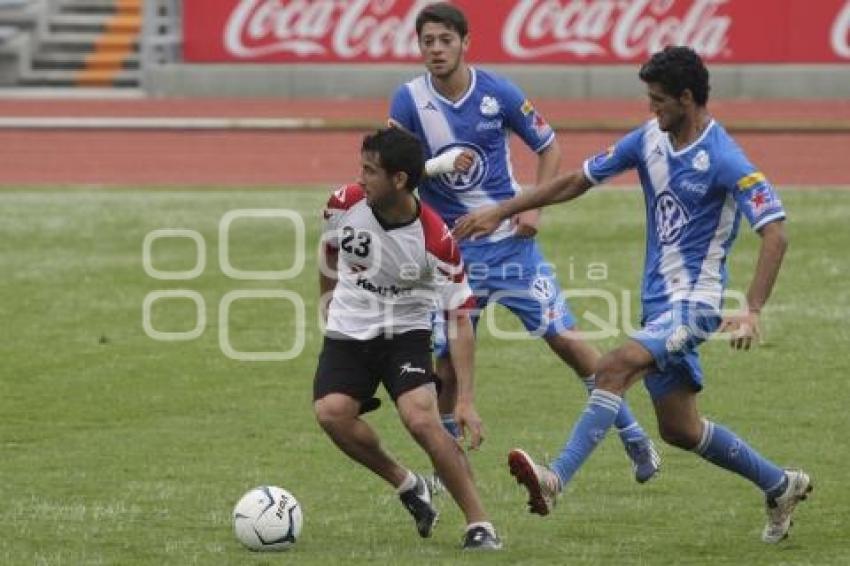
(25, 23)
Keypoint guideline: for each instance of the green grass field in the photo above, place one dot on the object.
(119, 449)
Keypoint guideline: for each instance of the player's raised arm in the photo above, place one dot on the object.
(560, 189)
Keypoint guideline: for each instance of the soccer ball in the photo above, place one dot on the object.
(267, 518)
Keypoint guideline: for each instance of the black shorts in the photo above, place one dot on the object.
(356, 367)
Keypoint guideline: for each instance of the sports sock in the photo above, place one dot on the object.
(627, 426)
(722, 447)
(408, 483)
(597, 418)
(486, 524)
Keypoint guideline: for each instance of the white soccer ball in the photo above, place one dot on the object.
(267, 518)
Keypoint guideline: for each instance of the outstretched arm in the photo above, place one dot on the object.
(745, 325)
(560, 189)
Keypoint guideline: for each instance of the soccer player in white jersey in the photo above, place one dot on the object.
(464, 117)
(697, 183)
(388, 261)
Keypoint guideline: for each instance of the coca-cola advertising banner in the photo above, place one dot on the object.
(520, 31)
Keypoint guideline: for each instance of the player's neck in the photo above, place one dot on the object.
(691, 129)
(454, 86)
(400, 213)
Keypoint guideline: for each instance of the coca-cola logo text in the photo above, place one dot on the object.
(628, 30)
(840, 35)
(347, 29)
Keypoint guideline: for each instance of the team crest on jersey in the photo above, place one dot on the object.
(526, 108)
(489, 106)
(701, 161)
(462, 181)
(670, 218)
(542, 289)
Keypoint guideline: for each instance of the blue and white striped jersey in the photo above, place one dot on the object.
(481, 122)
(694, 200)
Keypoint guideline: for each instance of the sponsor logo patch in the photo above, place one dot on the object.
(489, 125)
(670, 218)
(762, 200)
(542, 289)
(750, 180)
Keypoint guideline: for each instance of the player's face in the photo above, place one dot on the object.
(667, 108)
(379, 186)
(442, 49)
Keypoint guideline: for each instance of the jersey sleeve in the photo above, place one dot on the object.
(623, 155)
(402, 109)
(452, 289)
(445, 265)
(755, 195)
(521, 116)
(341, 200)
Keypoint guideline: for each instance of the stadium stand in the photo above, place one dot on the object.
(66, 43)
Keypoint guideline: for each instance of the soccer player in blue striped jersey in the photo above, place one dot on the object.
(465, 113)
(697, 184)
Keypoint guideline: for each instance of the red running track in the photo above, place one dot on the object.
(252, 158)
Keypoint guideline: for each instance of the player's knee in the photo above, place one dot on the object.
(684, 437)
(421, 424)
(611, 373)
(334, 411)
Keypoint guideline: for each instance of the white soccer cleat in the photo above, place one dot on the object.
(780, 509)
(542, 484)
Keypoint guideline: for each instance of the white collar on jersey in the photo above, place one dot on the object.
(463, 98)
(691, 145)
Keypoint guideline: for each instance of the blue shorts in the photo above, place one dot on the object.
(513, 273)
(672, 337)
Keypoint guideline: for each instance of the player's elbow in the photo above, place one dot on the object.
(552, 152)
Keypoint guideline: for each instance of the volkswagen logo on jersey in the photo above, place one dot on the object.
(542, 289)
(466, 180)
(670, 218)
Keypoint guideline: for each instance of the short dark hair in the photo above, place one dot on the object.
(443, 13)
(398, 151)
(677, 68)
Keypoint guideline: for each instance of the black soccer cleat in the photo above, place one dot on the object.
(417, 501)
(481, 538)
